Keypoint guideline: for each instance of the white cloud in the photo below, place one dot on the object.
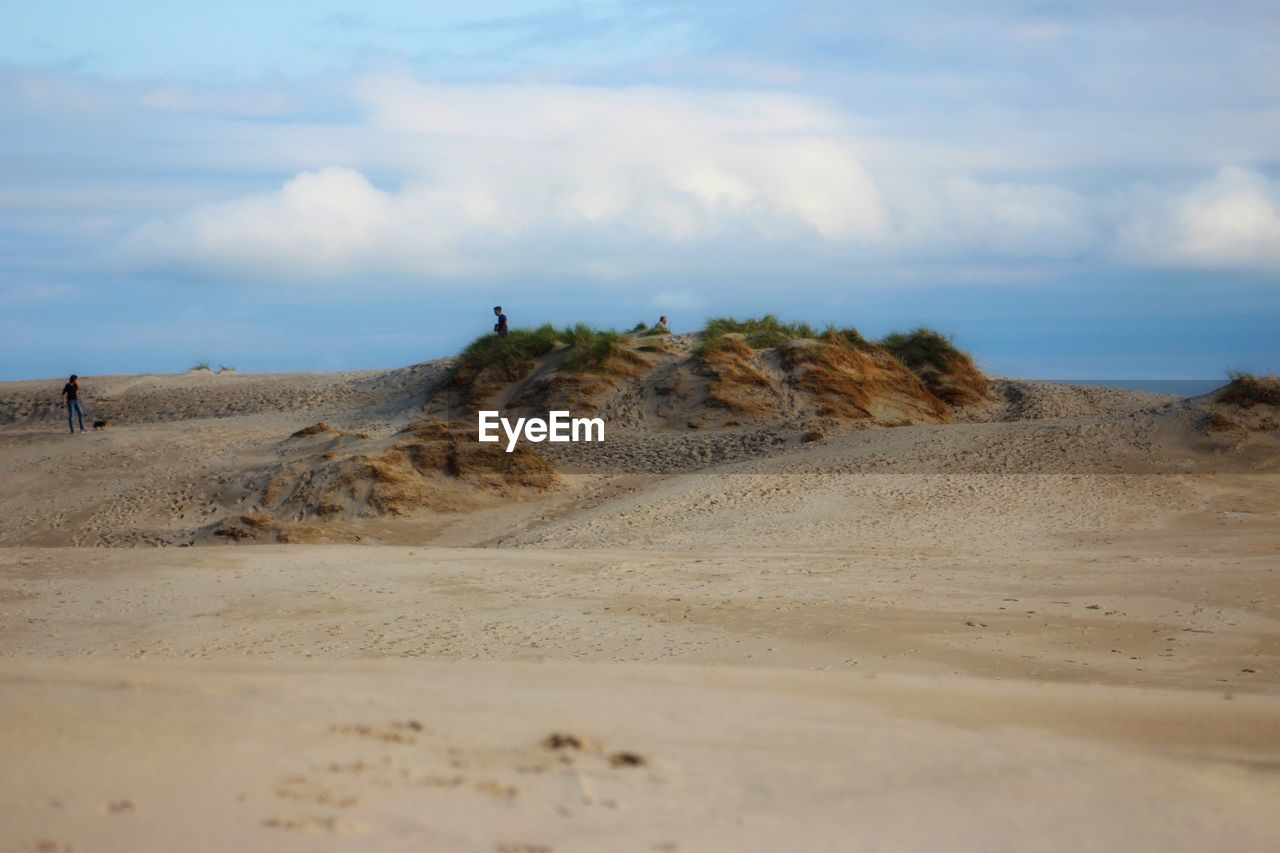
(456, 181)
(1229, 221)
(962, 214)
(490, 169)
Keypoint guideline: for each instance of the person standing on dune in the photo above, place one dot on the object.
(500, 327)
(71, 402)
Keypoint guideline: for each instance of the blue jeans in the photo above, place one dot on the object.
(74, 406)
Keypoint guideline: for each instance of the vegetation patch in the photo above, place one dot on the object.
(765, 332)
(511, 355)
(948, 372)
(847, 337)
(909, 377)
(593, 350)
(549, 367)
(832, 376)
(1246, 390)
(853, 381)
(736, 383)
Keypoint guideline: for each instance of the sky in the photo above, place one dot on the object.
(1071, 189)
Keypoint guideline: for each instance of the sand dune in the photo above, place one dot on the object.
(1047, 619)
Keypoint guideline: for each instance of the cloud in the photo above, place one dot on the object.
(390, 178)
(1229, 221)
(603, 183)
(511, 167)
(961, 214)
(322, 223)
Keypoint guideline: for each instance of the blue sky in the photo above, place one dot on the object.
(1073, 190)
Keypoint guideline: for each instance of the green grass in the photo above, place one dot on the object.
(1245, 389)
(921, 348)
(764, 332)
(510, 352)
(589, 349)
(202, 364)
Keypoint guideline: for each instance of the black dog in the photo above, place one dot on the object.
(99, 424)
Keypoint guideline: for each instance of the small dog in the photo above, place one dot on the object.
(99, 425)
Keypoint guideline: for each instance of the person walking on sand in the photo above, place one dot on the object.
(71, 402)
(499, 327)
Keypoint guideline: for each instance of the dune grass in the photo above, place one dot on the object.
(764, 332)
(768, 332)
(847, 337)
(924, 348)
(589, 349)
(202, 364)
(947, 371)
(509, 352)
(1247, 390)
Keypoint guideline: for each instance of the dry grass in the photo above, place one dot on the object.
(736, 381)
(1246, 390)
(1218, 422)
(834, 377)
(847, 337)
(847, 382)
(946, 371)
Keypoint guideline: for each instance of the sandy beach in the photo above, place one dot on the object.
(1048, 623)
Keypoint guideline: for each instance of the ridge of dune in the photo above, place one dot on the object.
(210, 457)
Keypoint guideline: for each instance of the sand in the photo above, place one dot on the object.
(1054, 625)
